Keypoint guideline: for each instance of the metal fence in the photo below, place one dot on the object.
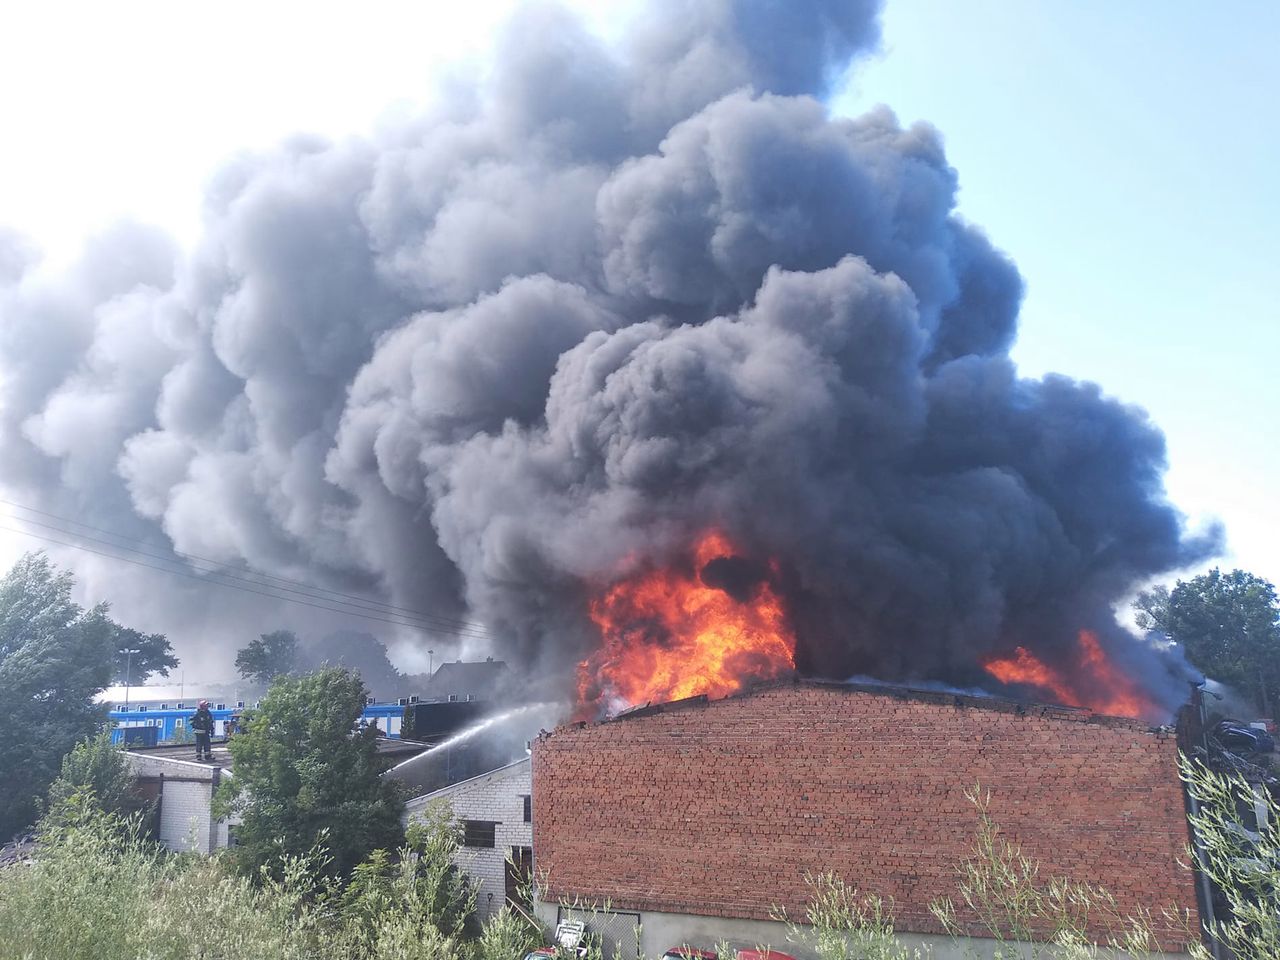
(619, 933)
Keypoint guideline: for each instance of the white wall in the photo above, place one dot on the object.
(185, 820)
(499, 797)
(186, 815)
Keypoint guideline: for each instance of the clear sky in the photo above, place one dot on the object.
(1124, 154)
(1127, 156)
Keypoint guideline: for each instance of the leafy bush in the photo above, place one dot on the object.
(1243, 863)
(1029, 916)
(843, 924)
(99, 890)
(96, 766)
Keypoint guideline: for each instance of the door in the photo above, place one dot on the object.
(519, 874)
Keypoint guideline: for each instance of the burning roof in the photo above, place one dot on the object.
(960, 699)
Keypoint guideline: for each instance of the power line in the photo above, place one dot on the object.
(316, 593)
(230, 586)
(404, 618)
(267, 576)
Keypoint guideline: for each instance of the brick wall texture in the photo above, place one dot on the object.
(720, 809)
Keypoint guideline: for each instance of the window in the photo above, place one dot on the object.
(477, 833)
(528, 808)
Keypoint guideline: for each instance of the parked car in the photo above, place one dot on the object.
(542, 953)
(1238, 736)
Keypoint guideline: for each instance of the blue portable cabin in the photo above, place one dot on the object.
(170, 720)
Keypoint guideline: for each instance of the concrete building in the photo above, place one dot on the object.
(183, 793)
(182, 790)
(495, 810)
(461, 680)
(697, 820)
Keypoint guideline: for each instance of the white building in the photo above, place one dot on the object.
(183, 791)
(496, 813)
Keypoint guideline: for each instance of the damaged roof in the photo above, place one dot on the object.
(958, 699)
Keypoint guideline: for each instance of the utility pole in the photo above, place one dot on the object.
(128, 668)
(431, 662)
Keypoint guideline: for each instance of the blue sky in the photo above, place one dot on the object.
(1124, 154)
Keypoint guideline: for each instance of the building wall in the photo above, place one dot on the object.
(185, 792)
(185, 821)
(720, 809)
(173, 724)
(498, 797)
(659, 932)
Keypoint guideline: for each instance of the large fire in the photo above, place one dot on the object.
(1092, 680)
(669, 633)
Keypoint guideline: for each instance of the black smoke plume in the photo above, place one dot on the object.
(487, 359)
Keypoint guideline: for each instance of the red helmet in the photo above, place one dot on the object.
(203, 704)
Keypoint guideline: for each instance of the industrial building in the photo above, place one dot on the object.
(457, 692)
(494, 811)
(180, 791)
(697, 820)
(148, 724)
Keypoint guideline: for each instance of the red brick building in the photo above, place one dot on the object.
(718, 810)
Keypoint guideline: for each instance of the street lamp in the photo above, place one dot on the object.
(431, 662)
(128, 667)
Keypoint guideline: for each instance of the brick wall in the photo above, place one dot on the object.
(720, 809)
(497, 797)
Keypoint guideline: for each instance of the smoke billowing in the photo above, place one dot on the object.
(495, 356)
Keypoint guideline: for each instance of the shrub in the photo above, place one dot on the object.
(1244, 868)
(96, 766)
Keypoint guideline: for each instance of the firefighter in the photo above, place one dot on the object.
(202, 724)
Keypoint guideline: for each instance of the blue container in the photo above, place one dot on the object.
(140, 736)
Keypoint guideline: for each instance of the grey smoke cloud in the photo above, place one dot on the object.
(546, 332)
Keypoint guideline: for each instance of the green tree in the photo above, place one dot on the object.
(272, 655)
(95, 766)
(151, 654)
(361, 652)
(55, 657)
(1228, 624)
(420, 884)
(305, 775)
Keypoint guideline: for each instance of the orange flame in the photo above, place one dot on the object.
(1093, 680)
(668, 635)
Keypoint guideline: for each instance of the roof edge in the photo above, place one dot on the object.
(437, 794)
(957, 698)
